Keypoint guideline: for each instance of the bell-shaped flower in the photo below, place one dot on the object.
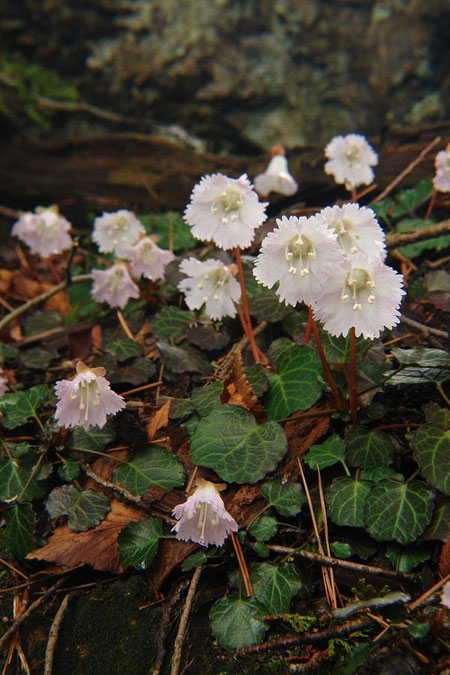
(3, 383)
(210, 283)
(357, 229)
(225, 210)
(359, 292)
(294, 255)
(350, 159)
(441, 180)
(116, 232)
(45, 231)
(86, 400)
(114, 286)
(203, 517)
(147, 259)
(276, 178)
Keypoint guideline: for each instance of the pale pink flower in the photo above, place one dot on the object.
(147, 259)
(357, 229)
(294, 255)
(3, 383)
(350, 160)
(45, 231)
(114, 286)
(225, 210)
(86, 400)
(359, 292)
(203, 517)
(441, 181)
(276, 178)
(116, 232)
(445, 597)
(210, 283)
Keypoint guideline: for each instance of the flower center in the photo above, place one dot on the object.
(346, 238)
(46, 230)
(359, 284)
(147, 254)
(203, 510)
(353, 156)
(228, 204)
(299, 252)
(219, 277)
(119, 229)
(116, 281)
(87, 395)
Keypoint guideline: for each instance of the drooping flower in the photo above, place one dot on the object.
(3, 383)
(203, 517)
(225, 210)
(276, 178)
(357, 229)
(147, 259)
(210, 283)
(294, 255)
(114, 286)
(86, 400)
(359, 292)
(116, 232)
(445, 597)
(350, 159)
(45, 231)
(441, 180)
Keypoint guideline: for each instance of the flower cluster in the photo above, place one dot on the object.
(45, 231)
(350, 160)
(441, 180)
(212, 284)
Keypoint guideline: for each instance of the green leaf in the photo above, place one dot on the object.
(409, 199)
(15, 471)
(206, 399)
(135, 371)
(258, 379)
(151, 466)
(413, 250)
(405, 559)
(296, 387)
(377, 473)
(139, 542)
(440, 525)
(341, 549)
(422, 356)
(230, 441)
(337, 349)
(418, 630)
(171, 322)
(367, 449)
(84, 509)
(347, 498)
(193, 560)
(285, 496)
(171, 228)
(326, 454)
(263, 528)
(431, 444)
(7, 352)
(38, 358)
(278, 349)
(184, 359)
(124, 349)
(260, 549)
(237, 623)
(94, 438)
(17, 534)
(41, 321)
(266, 306)
(399, 511)
(69, 470)
(275, 585)
(19, 407)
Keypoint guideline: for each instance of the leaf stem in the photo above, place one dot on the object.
(326, 368)
(352, 377)
(251, 337)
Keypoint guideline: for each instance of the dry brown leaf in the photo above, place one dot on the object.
(302, 433)
(5, 280)
(96, 336)
(158, 420)
(97, 547)
(171, 554)
(237, 390)
(444, 562)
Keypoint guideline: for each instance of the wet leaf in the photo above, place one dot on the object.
(275, 586)
(431, 444)
(124, 349)
(326, 454)
(347, 499)
(231, 442)
(263, 528)
(19, 407)
(206, 399)
(84, 509)
(286, 497)
(139, 542)
(237, 622)
(17, 534)
(366, 449)
(171, 322)
(94, 438)
(151, 466)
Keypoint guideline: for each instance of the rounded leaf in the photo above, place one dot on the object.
(138, 542)
(152, 466)
(431, 444)
(346, 498)
(275, 585)
(367, 449)
(237, 622)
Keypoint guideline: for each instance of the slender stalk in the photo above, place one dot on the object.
(251, 337)
(353, 194)
(337, 398)
(431, 204)
(352, 378)
(242, 564)
(308, 328)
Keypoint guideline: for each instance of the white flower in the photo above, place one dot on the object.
(441, 180)
(87, 399)
(210, 283)
(350, 158)
(147, 259)
(114, 286)
(203, 517)
(357, 229)
(116, 232)
(294, 255)
(276, 178)
(45, 231)
(3, 383)
(445, 597)
(225, 210)
(359, 292)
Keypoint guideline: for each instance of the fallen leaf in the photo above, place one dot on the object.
(97, 547)
(158, 420)
(444, 562)
(237, 390)
(5, 280)
(96, 336)
(302, 433)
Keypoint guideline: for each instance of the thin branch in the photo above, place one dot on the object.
(429, 592)
(176, 658)
(427, 330)
(53, 635)
(427, 232)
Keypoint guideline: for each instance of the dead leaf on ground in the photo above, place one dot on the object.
(302, 433)
(97, 547)
(237, 390)
(5, 280)
(158, 420)
(96, 336)
(27, 288)
(444, 562)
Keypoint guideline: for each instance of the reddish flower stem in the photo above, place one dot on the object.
(249, 331)
(336, 396)
(431, 204)
(352, 378)
(354, 194)
(308, 328)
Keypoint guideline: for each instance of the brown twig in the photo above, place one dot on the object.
(53, 635)
(178, 646)
(15, 569)
(427, 330)
(125, 326)
(428, 232)
(144, 387)
(429, 592)
(242, 564)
